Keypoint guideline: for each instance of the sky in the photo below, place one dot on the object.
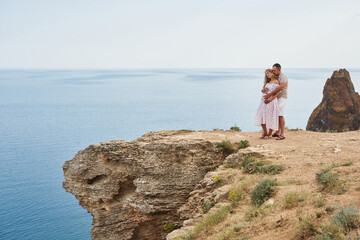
(118, 34)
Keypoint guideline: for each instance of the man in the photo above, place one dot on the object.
(282, 98)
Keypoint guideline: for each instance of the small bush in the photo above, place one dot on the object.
(306, 228)
(329, 209)
(169, 227)
(319, 201)
(347, 218)
(327, 179)
(235, 128)
(207, 206)
(253, 212)
(211, 220)
(238, 227)
(252, 165)
(186, 130)
(263, 191)
(271, 169)
(217, 179)
(347, 164)
(243, 144)
(295, 129)
(325, 237)
(294, 181)
(331, 232)
(330, 181)
(226, 147)
(292, 200)
(236, 195)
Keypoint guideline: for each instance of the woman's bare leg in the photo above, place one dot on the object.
(264, 130)
(270, 132)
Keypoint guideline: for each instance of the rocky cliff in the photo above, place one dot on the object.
(133, 188)
(339, 109)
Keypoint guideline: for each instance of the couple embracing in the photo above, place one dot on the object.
(270, 113)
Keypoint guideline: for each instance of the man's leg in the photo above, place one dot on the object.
(282, 125)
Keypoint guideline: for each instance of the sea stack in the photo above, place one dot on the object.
(339, 109)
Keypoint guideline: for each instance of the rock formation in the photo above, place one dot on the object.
(133, 188)
(339, 109)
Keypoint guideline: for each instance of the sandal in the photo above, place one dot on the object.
(280, 138)
(275, 135)
(264, 136)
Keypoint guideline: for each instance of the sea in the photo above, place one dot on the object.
(48, 115)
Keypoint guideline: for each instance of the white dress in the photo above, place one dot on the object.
(268, 113)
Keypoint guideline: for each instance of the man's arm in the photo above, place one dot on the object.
(272, 98)
(277, 90)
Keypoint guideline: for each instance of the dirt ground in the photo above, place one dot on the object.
(303, 154)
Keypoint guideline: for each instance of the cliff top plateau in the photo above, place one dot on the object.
(190, 185)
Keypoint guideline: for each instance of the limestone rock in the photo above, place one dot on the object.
(339, 109)
(133, 188)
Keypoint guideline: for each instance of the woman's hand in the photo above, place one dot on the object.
(267, 96)
(264, 90)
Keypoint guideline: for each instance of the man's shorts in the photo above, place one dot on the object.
(282, 104)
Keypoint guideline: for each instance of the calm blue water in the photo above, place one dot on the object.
(47, 116)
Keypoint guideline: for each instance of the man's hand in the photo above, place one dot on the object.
(266, 101)
(264, 90)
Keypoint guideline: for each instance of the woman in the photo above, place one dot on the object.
(267, 114)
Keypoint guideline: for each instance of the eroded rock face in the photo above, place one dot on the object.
(339, 109)
(133, 188)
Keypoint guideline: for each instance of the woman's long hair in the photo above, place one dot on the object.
(266, 79)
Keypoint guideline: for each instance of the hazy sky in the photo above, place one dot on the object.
(179, 33)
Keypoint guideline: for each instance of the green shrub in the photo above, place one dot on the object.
(243, 144)
(271, 169)
(319, 200)
(292, 200)
(347, 218)
(257, 211)
(209, 221)
(263, 191)
(329, 209)
(306, 228)
(235, 128)
(331, 231)
(295, 129)
(186, 130)
(325, 237)
(330, 181)
(207, 206)
(169, 227)
(347, 164)
(253, 212)
(226, 147)
(252, 165)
